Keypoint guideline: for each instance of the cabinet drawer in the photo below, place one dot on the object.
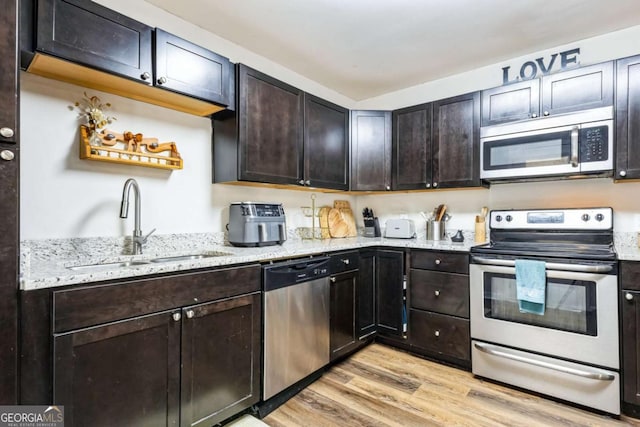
(445, 335)
(630, 275)
(343, 261)
(87, 306)
(444, 293)
(441, 261)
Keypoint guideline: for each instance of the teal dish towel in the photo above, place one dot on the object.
(531, 286)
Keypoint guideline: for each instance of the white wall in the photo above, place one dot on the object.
(63, 196)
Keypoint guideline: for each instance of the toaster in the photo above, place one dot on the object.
(256, 224)
(400, 229)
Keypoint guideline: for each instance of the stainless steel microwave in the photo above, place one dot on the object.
(568, 145)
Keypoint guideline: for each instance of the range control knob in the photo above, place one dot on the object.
(599, 217)
(586, 217)
(509, 218)
(498, 218)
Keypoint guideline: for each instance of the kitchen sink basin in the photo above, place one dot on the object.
(191, 257)
(107, 265)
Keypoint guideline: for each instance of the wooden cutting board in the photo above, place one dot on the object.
(344, 224)
(323, 215)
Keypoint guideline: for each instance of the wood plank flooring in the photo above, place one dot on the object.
(381, 386)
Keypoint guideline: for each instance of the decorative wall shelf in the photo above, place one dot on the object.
(127, 156)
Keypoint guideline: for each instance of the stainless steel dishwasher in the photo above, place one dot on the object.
(296, 322)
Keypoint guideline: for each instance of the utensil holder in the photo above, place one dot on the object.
(436, 230)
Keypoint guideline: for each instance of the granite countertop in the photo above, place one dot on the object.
(45, 264)
(626, 245)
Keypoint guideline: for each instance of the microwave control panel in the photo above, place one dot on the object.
(594, 144)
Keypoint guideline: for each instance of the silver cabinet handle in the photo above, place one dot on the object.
(438, 262)
(177, 316)
(534, 115)
(574, 146)
(623, 173)
(505, 354)
(7, 132)
(435, 184)
(301, 182)
(345, 261)
(333, 280)
(628, 296)
(190, 314)
(7, 155)
(145, 76)
(546, 113)
(428, 185)
(307, 182)
(436, 333)
(162, 80)
(437, 293)
(550, 265)
(388, 187)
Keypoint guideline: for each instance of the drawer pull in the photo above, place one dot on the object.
(628, 296)
(190, 314)
(333, 280)
(345, 261)
(438, 262)
(176, 316)
(436, 333)
(436, 293)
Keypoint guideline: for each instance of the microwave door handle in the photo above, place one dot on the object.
(574, 146)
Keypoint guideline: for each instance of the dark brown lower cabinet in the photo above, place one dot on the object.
(390, 292)
(220, 359)
(343, 333)
(124, 373)
(366, 294)
(193, 365)
(630, 336)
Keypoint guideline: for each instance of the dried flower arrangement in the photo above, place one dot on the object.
(92, 110)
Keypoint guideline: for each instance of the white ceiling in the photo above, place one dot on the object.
(364, 48)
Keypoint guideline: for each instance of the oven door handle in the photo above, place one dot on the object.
(550, 265)
(574, 146)
(584, 373)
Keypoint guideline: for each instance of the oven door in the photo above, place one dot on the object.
(580, 322)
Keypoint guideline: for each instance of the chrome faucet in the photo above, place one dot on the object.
(138, 238)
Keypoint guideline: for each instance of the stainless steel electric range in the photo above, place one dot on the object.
(569, 349)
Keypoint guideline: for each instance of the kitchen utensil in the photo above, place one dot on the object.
(435, 230)
(323, 215)
(441, 212)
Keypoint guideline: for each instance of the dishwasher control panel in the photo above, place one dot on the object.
(289, 273)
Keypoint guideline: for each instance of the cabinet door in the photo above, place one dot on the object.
(326, 144)
(9, 190)
(630, 334)
(366, 294)
(517, 101)
(342, 305)
(270, 129)
(579, 89)
(456, 141)
(126, 371)
(84, 32)
(187, 68)
(9, 72)
(220, 359)
(444, 293)
(411, 148)
(389, 290)
(371, 150)
(628, 118)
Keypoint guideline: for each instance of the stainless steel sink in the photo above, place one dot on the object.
(191, 257)
(107, 265)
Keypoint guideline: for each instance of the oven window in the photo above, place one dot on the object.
(530, 151)
(570, 304)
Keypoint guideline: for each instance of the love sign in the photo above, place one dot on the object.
(530, 69)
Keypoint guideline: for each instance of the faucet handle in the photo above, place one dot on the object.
(144, 239)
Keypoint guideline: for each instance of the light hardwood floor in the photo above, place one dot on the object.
(381, 386)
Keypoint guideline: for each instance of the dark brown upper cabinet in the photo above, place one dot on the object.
(326, 144)
(456, 141)
(184, 67)
(87, 33)
(9, 72)
(270, 129)
(84, 43)
(564, 92)
(411, 145)
(516, 101)
(371, 150)
(628, 118)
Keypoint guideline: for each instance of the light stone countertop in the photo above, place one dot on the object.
(44, 264)
(627, 246)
